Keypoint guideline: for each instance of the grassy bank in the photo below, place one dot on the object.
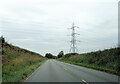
(18, 63)
(101, 68)
(106, 60)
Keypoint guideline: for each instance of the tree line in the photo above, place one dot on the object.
(49, 55)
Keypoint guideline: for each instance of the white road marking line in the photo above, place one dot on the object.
(85, 81)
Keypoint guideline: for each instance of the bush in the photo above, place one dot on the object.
(61, 54)
(108, 58)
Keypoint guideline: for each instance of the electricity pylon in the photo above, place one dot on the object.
(73, 45)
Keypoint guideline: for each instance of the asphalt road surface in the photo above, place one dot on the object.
(56, 71)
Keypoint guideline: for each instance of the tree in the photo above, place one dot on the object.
(48, 55)
(61, 54)
(54, 57)
(2, 40)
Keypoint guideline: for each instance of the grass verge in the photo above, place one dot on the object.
(101, 68)
(18, 63)
(21, 73)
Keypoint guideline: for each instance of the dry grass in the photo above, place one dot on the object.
(18, 63)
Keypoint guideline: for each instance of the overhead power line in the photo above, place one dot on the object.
(73, 42)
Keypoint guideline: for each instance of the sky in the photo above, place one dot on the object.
(42, 25)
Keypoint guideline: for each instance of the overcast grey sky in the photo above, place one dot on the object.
(41, 25)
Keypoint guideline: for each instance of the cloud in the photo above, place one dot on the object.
(41, 25)
(22, 40)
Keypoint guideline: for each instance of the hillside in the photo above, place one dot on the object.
(18, 63)
(106, 60)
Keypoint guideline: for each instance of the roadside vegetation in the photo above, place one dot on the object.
(50, 56)
(18, 63)
(106, 60)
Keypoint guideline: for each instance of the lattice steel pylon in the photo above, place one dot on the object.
(73, 45)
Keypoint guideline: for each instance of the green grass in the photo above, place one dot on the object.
(101, 68)
(106, 60)
(20, 74)
(19, 63)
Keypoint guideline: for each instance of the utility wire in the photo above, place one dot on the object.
(73, 45)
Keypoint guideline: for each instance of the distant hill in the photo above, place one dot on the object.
(106, 60)
(18, 63)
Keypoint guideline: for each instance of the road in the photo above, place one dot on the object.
(56, 71)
